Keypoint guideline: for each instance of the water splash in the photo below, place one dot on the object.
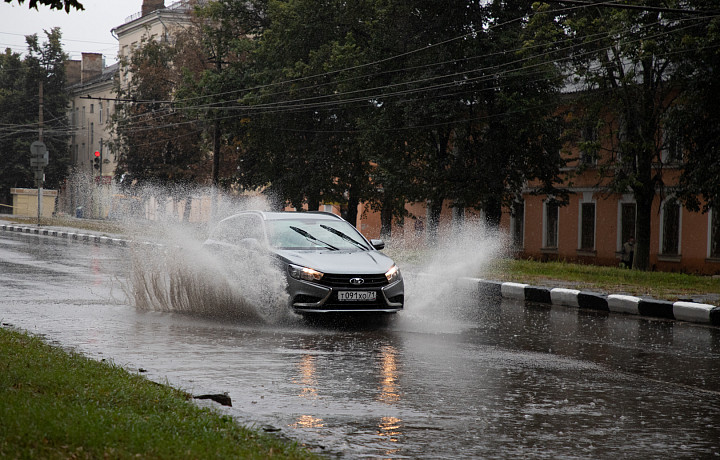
(432, 272)
(179, 275)
(171, 269)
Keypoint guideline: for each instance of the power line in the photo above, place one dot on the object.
(625, 6)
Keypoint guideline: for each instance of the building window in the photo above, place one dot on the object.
(628, 211)
(589, 145)
(517, 224)
(92, 108)
(670, 230)
(672, 148)
(100, 112)
(587, 226)
(715, 234)
(92, 134)
(550, 233)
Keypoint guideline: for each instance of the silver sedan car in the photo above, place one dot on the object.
(330, 267)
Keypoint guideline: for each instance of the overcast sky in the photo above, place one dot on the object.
(82, 31)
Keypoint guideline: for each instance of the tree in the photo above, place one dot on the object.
(301, 142)
(476, 127)
(511, 136)
(66, 5)
(19, 107)
(627, 60)
(696, 119)
(382, 101)
(218, 43)
(147, 142)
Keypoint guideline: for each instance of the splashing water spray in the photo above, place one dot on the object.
(432, 271)
(172, 271)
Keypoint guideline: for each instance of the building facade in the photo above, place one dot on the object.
(91, 84)
(91, 106)
(595, 224)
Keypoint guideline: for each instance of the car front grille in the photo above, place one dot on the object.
(344, 281)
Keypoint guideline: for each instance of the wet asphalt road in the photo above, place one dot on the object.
(450, 378)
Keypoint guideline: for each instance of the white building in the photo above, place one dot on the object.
(91, 84)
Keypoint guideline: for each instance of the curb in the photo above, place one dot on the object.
(65, 234)
(640, 306)
(585, 300)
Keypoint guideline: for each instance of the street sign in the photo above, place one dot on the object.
(38, 163)
(38, 148)
(39, 155)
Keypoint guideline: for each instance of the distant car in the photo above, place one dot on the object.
(330, 267)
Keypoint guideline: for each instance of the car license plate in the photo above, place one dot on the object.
(356, 295)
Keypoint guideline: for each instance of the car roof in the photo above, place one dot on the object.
(281, 215)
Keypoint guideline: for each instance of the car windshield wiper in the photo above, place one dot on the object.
(312, 238)
(344, 236)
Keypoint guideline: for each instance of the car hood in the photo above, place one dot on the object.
(340, 262)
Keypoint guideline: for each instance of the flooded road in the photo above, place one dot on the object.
(463, 378)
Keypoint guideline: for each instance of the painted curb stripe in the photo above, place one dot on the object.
(491, 289)
(693, 312)
(593, 301)
(539, 295)
(623, 303)
(656, 308)
(564, 297)
(715, 316)
(513, 290)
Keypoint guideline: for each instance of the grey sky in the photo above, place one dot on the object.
(82, 31)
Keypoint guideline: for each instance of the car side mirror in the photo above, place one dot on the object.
(378, 244)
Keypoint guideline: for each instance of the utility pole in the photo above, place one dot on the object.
(39, 156)
(40, 177)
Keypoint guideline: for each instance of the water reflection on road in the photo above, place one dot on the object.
(464, 379)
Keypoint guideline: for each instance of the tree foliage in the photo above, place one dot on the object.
(390, 101)
(154, 141)
(696, 119)
(66, 5)
(20, 80)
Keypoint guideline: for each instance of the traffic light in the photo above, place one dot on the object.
(96, 161)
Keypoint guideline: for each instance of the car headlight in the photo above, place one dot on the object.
(304, 273)
(393, 274)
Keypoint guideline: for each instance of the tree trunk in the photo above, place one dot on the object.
(493, 213)
(352, 212)
(434, 208)
(216, 154)
(188, 208)
(641, 259)
(313, 203)
(386, 216)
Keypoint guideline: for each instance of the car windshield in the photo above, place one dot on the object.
(327, 234)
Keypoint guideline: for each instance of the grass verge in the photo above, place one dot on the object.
(57, 404)
(612, 280)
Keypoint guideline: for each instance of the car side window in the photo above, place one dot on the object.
(239, 228)
(252, 227)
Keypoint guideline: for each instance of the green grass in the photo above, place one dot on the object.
(55, 404)
(613, 280)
